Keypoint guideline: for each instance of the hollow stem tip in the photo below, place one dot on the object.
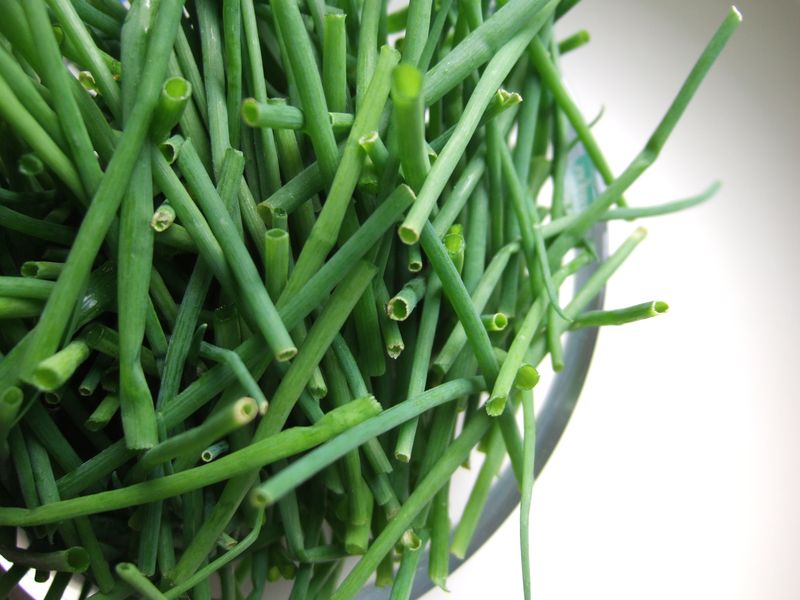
(71, 560)
(621, 316)
(527, 377)
(401, 305)
(53, 372)
(175, 94)
(163, 218)
(495, 321)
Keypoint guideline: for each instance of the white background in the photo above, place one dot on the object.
(677, 477)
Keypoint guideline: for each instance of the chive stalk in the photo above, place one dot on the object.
(51, 373)
(309, 85)
(10, 403)
(41, 269)
(401, 305)
(620, 316)
(175, 95)
(409, 123)
(103, 414)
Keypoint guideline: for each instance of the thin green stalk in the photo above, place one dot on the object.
(276, 261)
(309, 85)
(438, 565)
(454, 290)
(404, 580)
(133, 276)
(103, 414)
(281, 445)
(551, 77)
(192, 441)
(145, 588)
(136, 249)
(214, 79)
(214, 451)
(373, 450)
(326, 229)
(316, 8)
(532, 242)
(19, 308)
(163, 218)
(479, 298)
(259, 91)
(401, 305)
(468, 523)
(10, 403)
(495, 322)
(235, 363)
(455, 245)
(20, 456)
(36, 228)
(31, 96)
(41, 269)
(276, 114)
(357, 534)
(365, 314)
(367, 48)
(80, 529)
(297, 190)
(409, 123)
(48, 434)
(460, 194)
(71, 560)
(555, 227)
(375, 150)
(573, 42)
(620, 316)
(656, 141)
(186, 66)
(528, 458)
(106, 341)
(232, 35)
(417, 24)
(54, 371)
(434, 36)
(553, 336)
(419, 367)
(334, 62)
(175, 96)
(414, 258)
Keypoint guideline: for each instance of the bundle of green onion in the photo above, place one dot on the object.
(271, 271)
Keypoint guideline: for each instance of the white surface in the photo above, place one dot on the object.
(677, 477)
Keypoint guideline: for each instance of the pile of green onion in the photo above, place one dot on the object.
(271, 271)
